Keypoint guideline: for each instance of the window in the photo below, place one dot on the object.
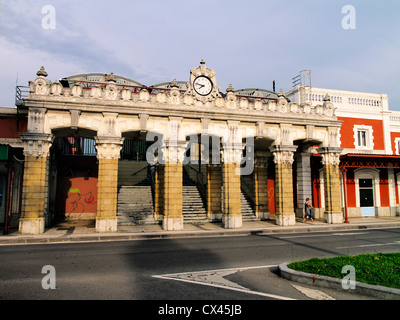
(363, 137)
(397, 145)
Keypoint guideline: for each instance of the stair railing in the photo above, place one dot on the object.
(137, 171)
(150, 173)
(248, 192)
(153, 184)
(199, 184)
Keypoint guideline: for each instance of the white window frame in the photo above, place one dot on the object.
(396, 145)
(369, 137)
(370, 173)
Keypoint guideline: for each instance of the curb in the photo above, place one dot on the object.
(361, 288)
(42, 239)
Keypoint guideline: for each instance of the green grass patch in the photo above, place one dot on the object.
(376, 269)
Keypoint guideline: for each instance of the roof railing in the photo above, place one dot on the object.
(21, 92)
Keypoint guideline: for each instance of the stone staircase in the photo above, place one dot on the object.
(193, 209)
(246, 208)
(135, 204)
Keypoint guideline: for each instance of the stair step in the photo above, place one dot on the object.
(135, 204)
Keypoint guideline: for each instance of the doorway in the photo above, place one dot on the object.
(367, 197)
(3, 197)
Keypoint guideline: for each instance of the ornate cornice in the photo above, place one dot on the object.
(131, 100)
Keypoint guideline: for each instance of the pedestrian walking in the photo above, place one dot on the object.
(308, 210)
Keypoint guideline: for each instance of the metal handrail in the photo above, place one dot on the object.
(136, 172)
(253, 201)
(21, 92)
(200, 184)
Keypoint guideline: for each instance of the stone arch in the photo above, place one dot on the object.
(73, 174)
(75, 120)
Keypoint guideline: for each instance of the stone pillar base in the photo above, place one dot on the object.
(285, 219)
(231, 222)
(31, 225)
(214, 216)
(106, 224)
(333, 217)
(172, 224)
(263, 215)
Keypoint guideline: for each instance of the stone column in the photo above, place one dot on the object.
(303, 180)
(35, 187)
(171, 182)
(261, 185)
(232, 215)
(108, 153)
(283, 159)
(330, 161)
(157, 192)
(214, 184)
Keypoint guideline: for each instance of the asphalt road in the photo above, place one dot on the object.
(225, 268)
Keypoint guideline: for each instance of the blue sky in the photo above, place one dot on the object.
(248, 43)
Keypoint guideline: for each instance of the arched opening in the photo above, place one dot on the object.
(201, 179)
(257, 179)
(73, 175)
(137, 178)
(308, 178)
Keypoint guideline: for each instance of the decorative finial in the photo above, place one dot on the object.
(281, 93)
(230, 88)
(202, 61)
(327, 97)
(41, 72)
(110, 77)
(174, 84)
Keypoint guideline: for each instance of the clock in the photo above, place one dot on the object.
(202, 85)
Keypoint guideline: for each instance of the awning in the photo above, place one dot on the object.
(362, 160)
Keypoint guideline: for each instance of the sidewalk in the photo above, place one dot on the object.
(81, 231)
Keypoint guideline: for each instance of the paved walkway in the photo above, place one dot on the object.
(77, 231)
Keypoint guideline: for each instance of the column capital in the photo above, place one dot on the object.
(108, 147)
(330, 155)
(173, 151)
(231, 152)
(283, 153)
(37, 144)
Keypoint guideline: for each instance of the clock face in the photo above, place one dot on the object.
(202, 85)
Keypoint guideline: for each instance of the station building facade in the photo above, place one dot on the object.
(108, 148)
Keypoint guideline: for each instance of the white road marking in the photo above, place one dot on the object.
(313, 293)
(372, 245)
(323, 235)
(215, 278)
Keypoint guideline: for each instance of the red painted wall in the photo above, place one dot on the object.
(76, 186)
(81, 196)
(316, 187)
(396, 187)
(384, 188)
(271, 188)
(393, 136)
(347, 132)
(9, 128)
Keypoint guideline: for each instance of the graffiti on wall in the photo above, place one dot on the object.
(79, 202)
(78, 196)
